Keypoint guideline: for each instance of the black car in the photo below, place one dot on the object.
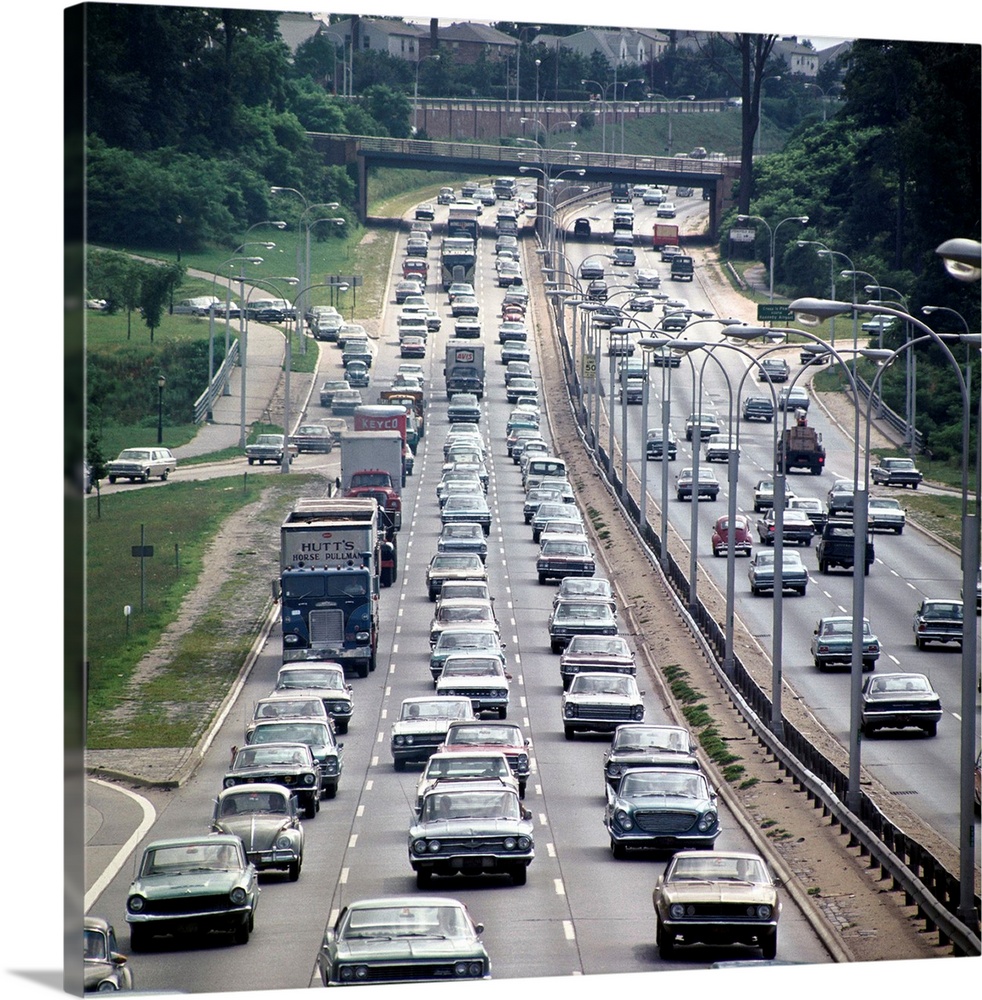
(581, 229)
(758, 408)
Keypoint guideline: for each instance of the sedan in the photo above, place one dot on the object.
(773, 369)
(708, 485)
(719, 447)
(412, 346)
(463, 536)
(900, 701)
(797, 527)
(314, 438)
(707, 424)
(403, 939)
(512, 329)
(636, 745)
(346, 401)
(178, 881)
(600, 702)
(832, 642)
(669, 808)
(716, 897)
(470, 507)
(579, 617)
(330, 387)
(474, 639)
(595, 653)
(939, 621)
(514, 349)
(761, 572)
(666, 210)
(793, 398)
(561, 557)
(886, 514)
(481, 678)
(521, 387)
(742, 538)
(106, 969)
(647, 277)
(594, 588)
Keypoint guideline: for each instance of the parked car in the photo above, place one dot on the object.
(742, 537)
(403, 939)
(178, 881)
(141, 465)
(639, 745)
(832, 642)
(600, 702)
(939, 620)
(900, 701)
(665, 808)
(716, 897)
(105, 968)
(265, 817)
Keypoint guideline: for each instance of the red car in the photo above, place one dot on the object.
(743, 541)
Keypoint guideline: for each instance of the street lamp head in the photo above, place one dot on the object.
(962, 258)
(811, 312)
(879, 356)
(279, 224)
(161, 381)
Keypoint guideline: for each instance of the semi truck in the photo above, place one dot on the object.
(372, 465)
(333, 558)
(390, 417)
(801, 447)
(404, 396)
(464, 368)
(458, 258)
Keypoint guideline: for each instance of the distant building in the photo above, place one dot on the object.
(295, 29)
(619, 46)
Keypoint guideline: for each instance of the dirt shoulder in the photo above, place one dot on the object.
(857, 911)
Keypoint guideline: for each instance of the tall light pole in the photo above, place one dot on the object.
(772, 235)
(672, 103)
(226, 391)
(603, 104)
(518, 59)
(760, 122)
(161, 382)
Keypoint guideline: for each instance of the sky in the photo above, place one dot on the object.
(31, 388)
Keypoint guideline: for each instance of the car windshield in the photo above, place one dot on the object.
(685, 784)
(610, 684)
(484, 639)
(200, 856)
(405, 921)
(474, 613)
(134, 455)
(842, 627)
(289, 707)
(660, 738)
(305, 678)
(438, 708)
(470, 805)
(95, 945)
(593, 610)
(271, 757)
(718, 868)
(942, 609)
(471, 667)
(457, 562)
(581, 645)
(311, 733)
(247, 802)
(478, 735)
(559, 547)
(492, 766)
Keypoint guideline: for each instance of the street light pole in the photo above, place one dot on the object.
(161, 382)
(772, 234)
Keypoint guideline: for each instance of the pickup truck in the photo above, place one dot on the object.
(896, 472)
(836, 547)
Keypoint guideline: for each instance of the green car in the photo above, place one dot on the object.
(403, 939)
(191, 885)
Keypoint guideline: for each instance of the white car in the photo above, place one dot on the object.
(141, 464)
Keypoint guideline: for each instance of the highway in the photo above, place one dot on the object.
(581, 912)
(907, 567)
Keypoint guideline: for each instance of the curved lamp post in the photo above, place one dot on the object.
(226, 390)
(772, 234)
(815, 310)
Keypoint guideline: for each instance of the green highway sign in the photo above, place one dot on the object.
(774, 312)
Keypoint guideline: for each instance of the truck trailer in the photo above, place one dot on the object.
(372, 465)
(464, 368)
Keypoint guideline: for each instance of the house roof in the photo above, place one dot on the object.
(297, 28)
(472, 31)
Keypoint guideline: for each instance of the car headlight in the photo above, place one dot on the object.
(433, 846)
(419, 847)
(764, 911)
(136, 904)
(308, 779)
(615, 770)
(637, 713)
(283, 842)
(624, 819)
(676, 911)
(340, 707)
(290, 638)
(331, 765)
(228, 782)
(349, 973)
(509, 843)
(523, 761)
(570, 711)
(238, 895)
(707, 821)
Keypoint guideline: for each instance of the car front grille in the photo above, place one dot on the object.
(410, 971)
(483, 693)
(184, 905)
(612, 713)
(664, 821)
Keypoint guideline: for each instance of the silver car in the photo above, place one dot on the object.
(141, 465)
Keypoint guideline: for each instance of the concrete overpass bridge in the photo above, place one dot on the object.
(714, 175)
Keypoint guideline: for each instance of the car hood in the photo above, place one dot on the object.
(719, 892)
(396, 949)
(411, 726)
(471, 828)
(192, 884)
(257, 831)
(599, 699)
(653, 758)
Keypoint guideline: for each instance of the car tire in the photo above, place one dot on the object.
(399, 765)
(241, 934)
(519, 874)
(145, 478)
(330, 792)
(362, 669)
(868, 666)
(341, 726)
(568, 732)
(250, 461)
(618, 851)
(555, 647)
(503, 712)
(768, 946)
(310, 809)
(542, 579)
(424, 878)
(931, 729)
(293, 872)
(666, 943)
(112, 480)
(918, 642)
(164, 475)
(139, 937)
(900, 530)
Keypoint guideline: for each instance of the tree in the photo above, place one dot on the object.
(159, 281)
